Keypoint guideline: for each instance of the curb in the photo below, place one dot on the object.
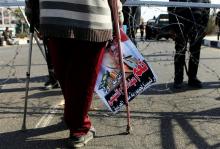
(209, 43)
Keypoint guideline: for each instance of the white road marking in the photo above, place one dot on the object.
(46, 119)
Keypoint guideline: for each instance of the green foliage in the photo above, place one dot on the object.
(21, 25)
(22, 35)
(17, 13)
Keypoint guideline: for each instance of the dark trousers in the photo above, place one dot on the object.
(191, 29)
(179, 58)
(76, 65)
(142, 34)
(52, 78)
(218, 33)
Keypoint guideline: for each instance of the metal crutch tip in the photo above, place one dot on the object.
(128, 130)
(23, 128)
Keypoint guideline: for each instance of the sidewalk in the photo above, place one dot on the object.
(211, 41)
(22, 40)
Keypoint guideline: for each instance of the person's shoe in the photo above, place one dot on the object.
(177, 85)
(51, 85)
(195, 83)
(81, 141)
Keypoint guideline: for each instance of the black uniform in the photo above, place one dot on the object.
(217, 22)
(142, 30)
(192, 23)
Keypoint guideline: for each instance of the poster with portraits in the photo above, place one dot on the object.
(139, 74)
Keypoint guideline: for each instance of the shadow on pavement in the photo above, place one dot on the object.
(25, 139)
(17, 112)
(44, 93)
(22, 80)
(32, 137)
(167, 88)
(167, 127)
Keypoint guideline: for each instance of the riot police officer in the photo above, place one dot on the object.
(191, 29)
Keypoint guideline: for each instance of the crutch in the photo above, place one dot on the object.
(27, 80)
(118, 38)
(28, 69)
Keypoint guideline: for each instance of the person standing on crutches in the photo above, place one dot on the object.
(78, 38)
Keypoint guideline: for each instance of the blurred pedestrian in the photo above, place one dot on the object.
(78, 32)
(7, 35)
(142, 30)
(191, 29)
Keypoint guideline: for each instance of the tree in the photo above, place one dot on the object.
(21, 25)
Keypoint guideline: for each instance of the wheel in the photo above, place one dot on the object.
(158, 37)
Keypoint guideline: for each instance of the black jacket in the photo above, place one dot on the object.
(32, 12)
(200, 14)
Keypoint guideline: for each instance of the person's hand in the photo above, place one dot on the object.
(40, 35)
(120, 13)
(119, 9)
(121, 19)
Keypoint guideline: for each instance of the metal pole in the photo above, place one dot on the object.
(118, 38)
(32, 22)
(148, 3)
(40, 47)
(27, 80)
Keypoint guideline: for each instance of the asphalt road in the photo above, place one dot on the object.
(161, 117)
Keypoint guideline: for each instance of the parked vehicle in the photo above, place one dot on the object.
(151, 22)
(160, 28)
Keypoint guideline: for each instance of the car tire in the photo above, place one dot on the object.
(158, 37)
